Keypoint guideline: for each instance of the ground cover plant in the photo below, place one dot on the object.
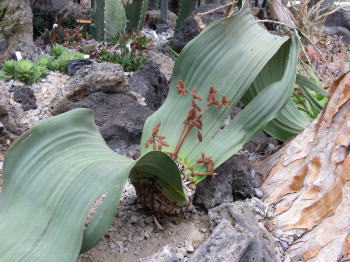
(54, 172)
(29, 72)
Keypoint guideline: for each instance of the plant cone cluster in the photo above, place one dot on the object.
(192, 120)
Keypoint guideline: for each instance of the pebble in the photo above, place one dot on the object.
(203, 230)
(189, 247)
(180, 256)
(259, 193)
(133, 219)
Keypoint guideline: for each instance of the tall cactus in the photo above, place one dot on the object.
(186, 7)
(109, 18)
(136, 14)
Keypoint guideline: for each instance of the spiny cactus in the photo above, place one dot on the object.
(109, 19)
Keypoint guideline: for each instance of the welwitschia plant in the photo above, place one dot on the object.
(54, 172)
(109, 18)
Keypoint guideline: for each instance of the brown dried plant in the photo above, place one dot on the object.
(192, 120)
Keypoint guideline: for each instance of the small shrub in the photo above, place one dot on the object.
(60, 64)
(129, 60)
(44, 61)
(10, 66)
(23, 70)
(69, 21)
(57, 50)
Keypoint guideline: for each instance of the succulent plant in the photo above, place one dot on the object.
(43, 61)
(54, 172)
(60, 64)
(57, 50)
(8, 70)
(109, 19)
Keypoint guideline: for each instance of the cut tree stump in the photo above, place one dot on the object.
(307, 182)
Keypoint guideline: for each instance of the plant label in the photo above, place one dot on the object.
(18, 55)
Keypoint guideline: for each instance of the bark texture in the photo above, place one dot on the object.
(16, 29)
(308, 185)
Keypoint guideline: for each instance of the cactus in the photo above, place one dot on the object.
(136, 14)
(109, 19)
(186, 7)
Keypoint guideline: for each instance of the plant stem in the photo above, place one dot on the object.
(182, 140)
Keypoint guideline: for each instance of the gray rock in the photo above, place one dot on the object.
(338, 23)
(241, 215)
(4, 102)
(51, 5)
(189, 30)
(166, 254)
(225, 244)
(151, 84)
(166, 62)
(73, 10)
(16, 29)
(234, 181)
(3, 43)
(25, 96)
(261, 144)
(153, 18)
(76, 64)
(106, 77)
(119, 117)
(12, 122)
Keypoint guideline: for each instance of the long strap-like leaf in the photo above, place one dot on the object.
(52, 175)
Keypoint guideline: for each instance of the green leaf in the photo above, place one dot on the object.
(52, 175)
(289, 122)
(302, 80)
(136, 14)
(163, 171)
(231, 54)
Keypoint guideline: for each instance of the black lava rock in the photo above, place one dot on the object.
(150, 83)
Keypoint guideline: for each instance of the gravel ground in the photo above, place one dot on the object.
(137, 233)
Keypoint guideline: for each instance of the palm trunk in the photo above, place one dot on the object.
(308, 185)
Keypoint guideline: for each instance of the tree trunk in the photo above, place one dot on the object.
(307, 182)
(16, 29)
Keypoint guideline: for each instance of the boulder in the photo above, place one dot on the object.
(4, 101)
(106, 77)
(51, 5)
(153, 18)
(338, 23)
(74, 65)
(120, 119)
(74, 10)
(189, 30)
(225, 244)
(261, 144)
(237, 235)
(166, 62)
(235, 181)
(13, 122)
(16, 30)
(24, 96)
(151, 84)
(166, 254)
